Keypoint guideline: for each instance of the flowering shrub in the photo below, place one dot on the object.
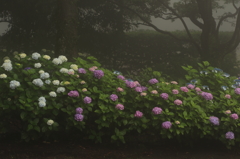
(41, 96)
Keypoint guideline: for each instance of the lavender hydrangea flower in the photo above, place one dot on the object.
(156, 110)
(207, 96)
(119, 107)
(166, 125)
(144, 88)
(121, 77)
(138, 114)
(130, 84)
(79, 110)
(164, 96)
(214, 120)
(81, 70)
(113, 97)
(138, 89)
(73, 94)
(229, 135)
(98, 74)
(87, 100)
(234, 116)
(237, 90)
(175, 91)
(153, 81)
(78, 117)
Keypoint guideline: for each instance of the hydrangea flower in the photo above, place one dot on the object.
(60, 89)
(79, 110)
(214, 120)
(234, 116)
(177, 122)
(207, 96)
(42, 103)
(46, 57)
(197, 89)
(119, 89)
(63, 58)
(190, 86)
(91, 69)
(153, 81)
(237, 90)
(44, 75)
(166, 125)
(178, 102)
(83, 82)
(41, 71)
(71, 72)
(57, 61)
(64, 70)
(143, 94)
(174, 82)
(35, 55)
(154, 92)
(113, 97)
(98, 74)
(224, 88)
(42, 99)
(82, 70)
(226, 74)
(74, 67)
(87, 100)
(121, 77)
(37, 65)
(138, 89)
(130, 84)
(228, 96)
(184, 89)
(14, 84)
(204, 72)
(47, 81)
(116, 72)
(229, 135)
(164, 96)
(56, 82)
(7, 66)
(205, 87)
(53, 94)
(78, 117)
(119, 107)
(73, 94)
(194, 81)
(138, 114)
(217, 70)
(175, 91)
(50, 122)
(3, 75)
(38, 82)
(156, 110)
(84, 89)
(144, 88)
(7, 61)
(228, 112)
(22, 55)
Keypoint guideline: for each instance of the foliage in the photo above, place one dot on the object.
(117, 106)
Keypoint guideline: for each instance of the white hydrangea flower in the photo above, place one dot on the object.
(14, 84)
(42, 99)
(63, 58)
(53, 94)
(3, 75)
(64, 70)
(61, 90)
(22, 55)
(35, 55)
(37, 65)
(7, 66)
(50, 122)
(47, 81)
(41, 71)
(57, 61)
(71, 71)
(44, 75)
(38, 82)
(42, 104)
(7, 61)
(56, 82)
(74, 67)
(46, 57)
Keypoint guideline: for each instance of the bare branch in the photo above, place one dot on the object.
(196, 22)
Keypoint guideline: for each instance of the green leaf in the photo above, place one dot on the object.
(30, 127)
(125, 122)
(35, 121)
(22, 115)
(37, 128)
(206, 63)
(95, 89)
(114, 137)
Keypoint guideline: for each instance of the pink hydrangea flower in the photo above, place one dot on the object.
(92, 69)
(184, 89)
(121, 77)
(156, 110)
(138, 114)
(164, 96)
(154, 92)
(228, 96)
(228, 112)
(197, 89)
(166, 125)
(174, 82)
(119, 107)
(113, 97)
(138, 89)
(234, 116)
(190, 86)
(137, 83)
(73, 94)
(130, 84)
(175, 91)
(237, 90)
(143, 94)
(153, 81)
(87, 100)
(119, 89)
(178, 102)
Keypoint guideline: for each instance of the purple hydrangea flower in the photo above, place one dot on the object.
(166, 125)
(119, 107)
(207, 96)
(153, 81)
(175, 91)
(234, 116)
(138, 114)
(229, 135)
(156, 110)
(79, 110)
(214, 120)
(81, 70)
(113, 97)
(121, 77)
(130, 84)
(73, 94)
(184, 89)
(78, 117)
(27, 68)
(138, 89)
(98, 74)
(190, 86)
(164, 96)
(237, 90)
(87, 100)
(178, 102)
(144, 88)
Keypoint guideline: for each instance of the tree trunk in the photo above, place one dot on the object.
(67, 24)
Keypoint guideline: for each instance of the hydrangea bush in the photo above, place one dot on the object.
(42, 95)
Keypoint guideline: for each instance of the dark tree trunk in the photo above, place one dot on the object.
(67, 24)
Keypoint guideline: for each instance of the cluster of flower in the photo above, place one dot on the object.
(7, 65)
(73, 94)
(78, 116)
(42, 102)
(14, 84)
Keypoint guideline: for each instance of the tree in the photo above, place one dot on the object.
(200, 12)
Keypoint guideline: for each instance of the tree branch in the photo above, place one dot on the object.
(196, 22)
